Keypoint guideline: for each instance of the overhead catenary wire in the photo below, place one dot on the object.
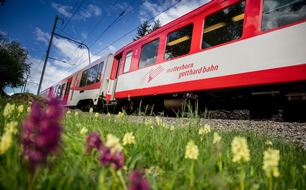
(90, 32)
(76, 10)
(124, 35)
(137, 27)
(75, 65)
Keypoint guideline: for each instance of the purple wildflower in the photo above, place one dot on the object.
(40, 134)
(55, 109)
(138, 181)
(107, 155)
(116, 159)
(93, 140)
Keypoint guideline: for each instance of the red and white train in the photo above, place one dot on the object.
(228, 54)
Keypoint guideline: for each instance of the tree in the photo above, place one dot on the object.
(142, 30)
(2, 2)
(13, 68)
(145, 29)
(156, 25)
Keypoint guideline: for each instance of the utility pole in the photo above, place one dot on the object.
(48, 51)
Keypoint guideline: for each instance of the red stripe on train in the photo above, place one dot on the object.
(270, 76)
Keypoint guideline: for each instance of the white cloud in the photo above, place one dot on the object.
(90, 11)
(84, 35)
(3, 33)
(112, 48)
(42, 36)
(62, 49)
(151, 9)
(63, 9)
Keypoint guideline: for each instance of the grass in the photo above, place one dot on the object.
(159, 152)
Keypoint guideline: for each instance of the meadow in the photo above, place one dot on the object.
(53, 148)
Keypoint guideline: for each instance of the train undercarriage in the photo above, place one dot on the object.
(262, 102)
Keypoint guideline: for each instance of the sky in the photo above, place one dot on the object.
(104, 26)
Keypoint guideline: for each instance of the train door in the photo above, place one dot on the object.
(113, 78)
(65, 99)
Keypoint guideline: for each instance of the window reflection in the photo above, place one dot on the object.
(278, 13)
(149, 54)
(224, 26)
(84, 78)
(92, 75)
(178, 42)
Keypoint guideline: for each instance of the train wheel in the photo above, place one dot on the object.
(101, 106)
(128, 107)
(295, 112)
(263, 107)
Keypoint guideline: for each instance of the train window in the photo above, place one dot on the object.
(99, 71)
(61, 88)
(67, 88)
(277, 13)
(92, 74)
(178, 42)
(148, 53)
(128, 60)
(84, 78)
(224, 26)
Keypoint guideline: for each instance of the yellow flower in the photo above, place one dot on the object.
(8, 109)
(217, 138)
(128, 138)
(91, 110)
(159, 121)
(108, 114)
(240, 149)
(6, 139)
(76, 113)
(29, 109)
(149, 122)
(84, 130)
(20, 108)
(96, 115)
(192, 151)
(120, 115)
(5, 142)
(204, 130)
(268, 143)
(113, 141)
(270, 162)
(304, 166)
(11, 127)
(172, 128)
(68, 112)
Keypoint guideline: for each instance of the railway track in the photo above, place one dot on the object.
(294, 132)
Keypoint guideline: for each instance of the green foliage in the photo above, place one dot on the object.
(145, 28)
(12, 63)
(159, 152)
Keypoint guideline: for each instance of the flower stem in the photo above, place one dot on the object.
(270, 183)
(122, 180)
(220, 161)
(192, 173)
(32, 178)
(242, 176)
(102, 180)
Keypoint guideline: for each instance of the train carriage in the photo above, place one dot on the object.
(228, 54)
(85, 88)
